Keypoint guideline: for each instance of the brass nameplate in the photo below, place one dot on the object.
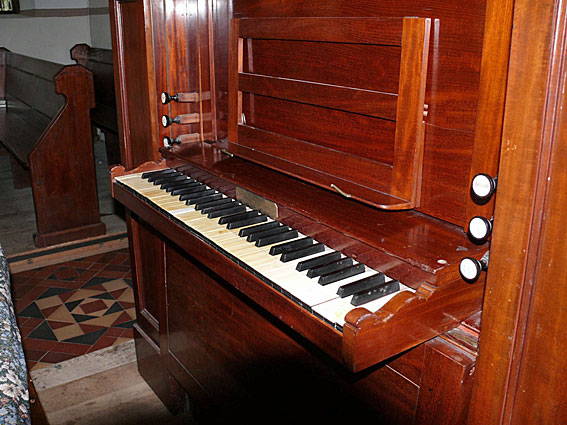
(257, 202)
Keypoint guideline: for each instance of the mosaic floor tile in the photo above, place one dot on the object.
(74, 308)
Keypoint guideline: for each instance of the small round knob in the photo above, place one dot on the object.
(483, 187)
(480, 229)
(166, 97)
(168, 141)
(470, 269)
(166, 121)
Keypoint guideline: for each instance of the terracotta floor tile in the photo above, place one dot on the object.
(93, 306)
(25, 331)
(20, 290)
(117, 268)
(120, 258)
(46, 272)
(103, 342)
(33, 322)
(87, 275)
(128, 333)
(34, 355)
(110, 274)
(38, 344)
(53, 357)
(77, 264)
(115, 332)
(70, 348)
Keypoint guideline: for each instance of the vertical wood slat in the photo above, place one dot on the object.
(408, 147)
(235, 59)
(492, 94)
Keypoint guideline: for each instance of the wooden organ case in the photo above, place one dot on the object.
(358, 123)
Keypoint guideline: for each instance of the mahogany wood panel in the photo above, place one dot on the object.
(152, 369)
(280, 58)
(251, 367)
(452, 85)
(401, 179)
(129, 20)
(147, 252)
(492, 95)
(520, 372)
(368, 137)
(445, 401)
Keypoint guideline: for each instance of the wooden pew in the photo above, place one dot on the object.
(45, 126)
(103, 116)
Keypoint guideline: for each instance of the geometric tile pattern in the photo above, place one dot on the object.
(73, 308)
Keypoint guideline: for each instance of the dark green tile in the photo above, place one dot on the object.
(82, 317)
(32, 310)
(103, 296)
(125, 324)
(71, 305)
(97, 280)
(114, 308)
(43, 331)
(50, 292)
(87, 339)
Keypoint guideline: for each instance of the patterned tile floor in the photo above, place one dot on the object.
(73, 308)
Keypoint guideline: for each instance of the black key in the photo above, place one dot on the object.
(200, 199)
(198, 187)
(239, 216)
(302, 252)
(232, 209)
(247, 221)
(199, 193)
(258, 228)
(341, 274)
(268, 240)
(291, 246)
(329, 267)
(152, 175)
(253, 237)
(375, 293)
(361, 285)
(183, 185)
(164, 179)
(223, 203)
(318, 261)
(173, 182)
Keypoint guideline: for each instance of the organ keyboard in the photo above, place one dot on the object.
(318, 278)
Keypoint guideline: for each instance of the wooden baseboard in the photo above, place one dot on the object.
(67, 252)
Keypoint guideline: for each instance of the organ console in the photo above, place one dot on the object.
(307, 240)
